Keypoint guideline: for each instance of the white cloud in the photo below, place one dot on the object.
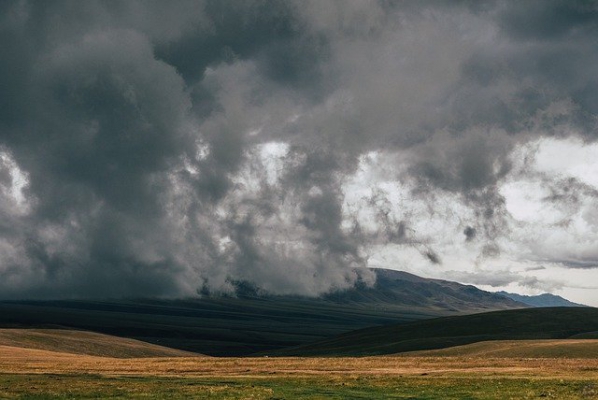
(568, 157)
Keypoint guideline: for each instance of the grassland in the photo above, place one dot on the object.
(46, 364)
(41, 374)
(320, 388)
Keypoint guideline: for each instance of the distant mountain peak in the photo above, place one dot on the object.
(542, 300)
(398, 288)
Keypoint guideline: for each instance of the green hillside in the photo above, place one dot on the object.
(531, 323)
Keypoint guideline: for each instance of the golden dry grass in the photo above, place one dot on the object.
(27, 373)
(15, 360)
(44, 351)
(83, 342)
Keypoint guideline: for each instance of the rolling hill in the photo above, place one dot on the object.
(546, 348)
(541, 300)
(85, 343)
(530, 323)
(253, 322)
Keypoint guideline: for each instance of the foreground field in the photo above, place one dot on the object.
(319, 387)
(41, 374)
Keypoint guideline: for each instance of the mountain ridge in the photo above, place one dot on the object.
(541, 300)
(393, 286)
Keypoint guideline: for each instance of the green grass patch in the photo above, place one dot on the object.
(318, 387)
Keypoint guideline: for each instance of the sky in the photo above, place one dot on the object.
(175, 149)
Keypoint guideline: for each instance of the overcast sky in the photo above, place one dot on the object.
(170, 148)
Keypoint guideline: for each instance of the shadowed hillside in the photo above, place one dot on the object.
(531, 323)
(221, 327)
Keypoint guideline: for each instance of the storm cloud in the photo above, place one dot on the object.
(171, 149)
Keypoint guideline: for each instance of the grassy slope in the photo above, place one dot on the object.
(533, 323)
(86, 343)
(547, 348)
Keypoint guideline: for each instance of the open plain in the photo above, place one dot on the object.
(41, 374)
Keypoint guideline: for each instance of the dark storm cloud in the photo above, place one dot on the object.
(469, 233)
(547, 50)
(432, 256)
(391, 230)
(578, 263)
(137, 127)
(547, 20)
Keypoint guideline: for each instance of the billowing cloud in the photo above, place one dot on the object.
(154, 149)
